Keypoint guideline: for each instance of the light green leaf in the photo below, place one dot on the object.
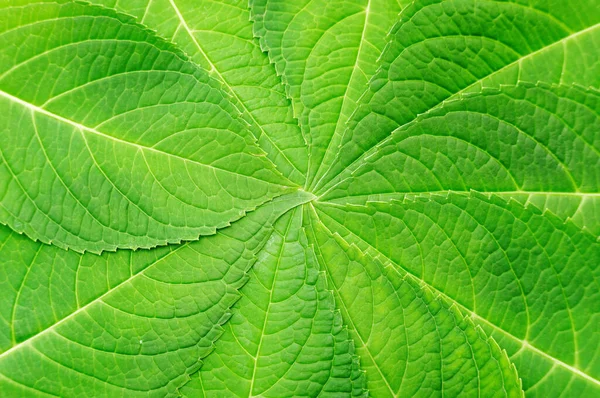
(580, 209)
(113, 139)
(442, 49)
(402, 198)
(412, 342)
(326, 52)
(217, 34)
(519, 138)
(528, 278)
(126, 323)
(284, 339)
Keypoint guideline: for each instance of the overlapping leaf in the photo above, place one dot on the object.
(126, 323)
(284, 339)
(217, 35)
(450, 247)
(522, 274)
(412, 342)
(442, 49)
(122, 142)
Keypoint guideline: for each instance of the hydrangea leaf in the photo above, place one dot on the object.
(412, 342)
(524, 275)
(440, 50)
(218, 36)
(130, 323)
(284, 338)
(401, 196)
(113, 139)
(326, 52)
(478, 142)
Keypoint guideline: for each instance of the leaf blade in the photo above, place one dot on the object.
(118, 176)
(121, 308)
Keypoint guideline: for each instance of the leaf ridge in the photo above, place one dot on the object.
(325, 183)
(375, 253)
(222, 79)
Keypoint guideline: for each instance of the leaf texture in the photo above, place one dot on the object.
(284, 339)
(218, 36)
(412, 342)
(326, 52)
(121, 142)
(524, 275)
(442, 49)
(232, 198)
(126, 323)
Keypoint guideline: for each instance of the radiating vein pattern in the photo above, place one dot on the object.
(126, 323)
(317, 198)
(113, 139)
(526, 273)
(411, 342)
(326, 52)
(284, 339)
(518, 138)
(439, 49)
(218, 36)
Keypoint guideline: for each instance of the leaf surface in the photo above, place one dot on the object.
(326, 52)
(525, 276)
(222, 198)
(412, 341)
(218, 36)
(125, 323)
(284, 339)
(121, 142)
(440, 50)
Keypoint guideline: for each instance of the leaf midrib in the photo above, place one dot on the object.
(100, 298)
(336, 292)
(141, 273)
(230, 89)
(322, 189)
(461, 306)
(355, 67)
(91, 130)
(268, 310)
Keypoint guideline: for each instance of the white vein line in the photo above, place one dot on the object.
(508, 334)
(336, 291)
(98, 299)
(146, 11)
(332, 183)
(62, 181)
(578, 194)
(214, 69)
(519, 61)
(25, 386)
(355, 67)
(392, 195)
(271, 290)
(18, 297)
(525, 344)
(99, 133)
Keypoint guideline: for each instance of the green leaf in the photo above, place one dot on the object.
(122, 142)
(440, 50)
(402, 198)
(522, 138)
(284, 339)
(525, 276)
(326, 52)
(412, 342)
(126, 323)
(218, 36)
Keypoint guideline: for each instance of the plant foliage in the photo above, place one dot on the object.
(211, 198)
